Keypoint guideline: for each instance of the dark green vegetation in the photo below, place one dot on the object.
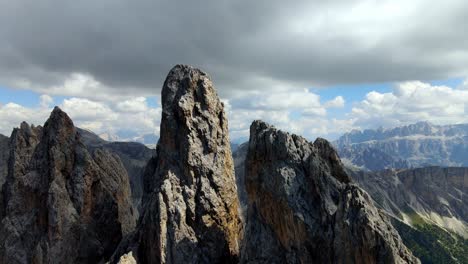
(432, 244)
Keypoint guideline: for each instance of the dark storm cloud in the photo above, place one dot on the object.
(135, 43)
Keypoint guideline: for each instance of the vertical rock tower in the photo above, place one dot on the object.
(191, 208)
(303, 208)
(62, 204)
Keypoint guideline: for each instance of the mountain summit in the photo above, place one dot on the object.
(62, 203)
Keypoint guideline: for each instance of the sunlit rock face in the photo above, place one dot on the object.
(62, 204)
(303, 208)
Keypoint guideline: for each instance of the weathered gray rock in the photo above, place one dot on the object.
(62, 204)
(191, 209)
(303, 208)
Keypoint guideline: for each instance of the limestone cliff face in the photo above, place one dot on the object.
(303, 208)
(62, 204)
(191, 209)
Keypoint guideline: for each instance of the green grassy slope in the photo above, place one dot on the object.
(432, 244)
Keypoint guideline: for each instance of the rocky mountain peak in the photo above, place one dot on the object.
(191, 209)
(62, 204)
(302, 207)
(29, 133)
(59, 120)
(59, 128)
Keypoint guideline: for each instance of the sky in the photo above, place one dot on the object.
(315, 68)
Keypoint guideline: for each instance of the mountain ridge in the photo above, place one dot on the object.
(417, 145)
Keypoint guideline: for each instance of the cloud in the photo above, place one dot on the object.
(126, 119)
(278, 99)
(337, 102)
(295, 110)
(406, 103)
(410, 102)
(45, 101)
(95, 49)
(80, 85)
(133, 105)
(12, 114)
(97, 116)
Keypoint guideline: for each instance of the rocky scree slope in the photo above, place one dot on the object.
(428, 207)
(62, 204)
(303, 208)
(190, 205)
(436, 195)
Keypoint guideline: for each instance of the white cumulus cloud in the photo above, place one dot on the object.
(410, 102)
(337, 102)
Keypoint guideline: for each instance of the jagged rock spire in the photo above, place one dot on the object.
(62, 203)
(191, 208)
(302, 207)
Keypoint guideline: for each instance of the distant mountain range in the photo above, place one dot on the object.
(417, 174)
(148, 140)
(413, 146)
